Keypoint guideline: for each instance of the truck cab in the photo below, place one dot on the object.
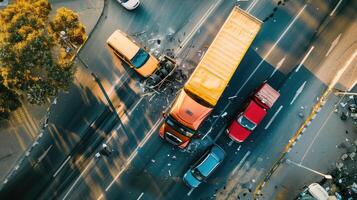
(185, 117)
(255, 111)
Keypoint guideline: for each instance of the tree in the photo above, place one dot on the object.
(35, 60)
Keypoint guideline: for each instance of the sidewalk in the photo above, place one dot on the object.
(23, 127)
(319, 148)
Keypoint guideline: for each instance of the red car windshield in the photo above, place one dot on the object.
(246, 123)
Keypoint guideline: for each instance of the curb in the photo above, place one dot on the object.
(315, 109)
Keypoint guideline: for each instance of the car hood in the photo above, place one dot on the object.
(188, 112)
(237, 132)
(254, 112)
(190, 180)
(149, 67)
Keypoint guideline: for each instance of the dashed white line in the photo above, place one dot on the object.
(230, 143)
(304, 59)
(45, 153)
(298, 92)
(131, 157)
(266, 56)
(60, 168)
(278, 65)
(334, 10)
(75, 183)
(208, 132)
(333, 44)
(241, 162)
(197, 26)
(274, 116)
(189, 192)
(141, 195)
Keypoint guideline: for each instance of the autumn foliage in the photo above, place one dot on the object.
(35, 59)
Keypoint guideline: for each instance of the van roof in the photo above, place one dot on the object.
(121, 43)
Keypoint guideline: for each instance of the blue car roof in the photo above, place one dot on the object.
(214, 158)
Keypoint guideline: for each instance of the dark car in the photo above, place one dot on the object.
(204, 167)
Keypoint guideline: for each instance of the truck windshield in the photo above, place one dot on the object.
(140, 58)
(197, 174)
(179, 127)
(246, 123)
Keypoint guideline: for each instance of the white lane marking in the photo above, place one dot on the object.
(342, 70)
(230, 143)
(298, 92)
(71, 188)
(141, 195)
(189, 192)
(272, 119)
(197, 26)
(241, 162)
(208, 132)
(251, 6)
(334, 10)
(304, 59)
(45, 153)
(60, 168)
(266, 55)
(135, 152)
(333, 44)
(110, 138)
(278, 65)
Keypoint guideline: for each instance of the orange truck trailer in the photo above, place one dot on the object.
(210, 78)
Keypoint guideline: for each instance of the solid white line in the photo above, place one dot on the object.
(197, 26)
(241, 162)
(334, 10)
(140, 196)
(272, 119)
(71, 188)
(60, 168)
(266, 55)
(135, 152)
(333, 44)
(251, 6)
(304, 59)
(209, 131)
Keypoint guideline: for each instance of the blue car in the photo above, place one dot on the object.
(201, 170)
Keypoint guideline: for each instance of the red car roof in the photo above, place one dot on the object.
(254, 112)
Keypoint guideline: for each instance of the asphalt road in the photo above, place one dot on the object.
(152, 171)
(82, 120)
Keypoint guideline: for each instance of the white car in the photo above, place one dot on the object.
(129, 4)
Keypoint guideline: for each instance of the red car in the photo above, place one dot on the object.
(253, 113)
